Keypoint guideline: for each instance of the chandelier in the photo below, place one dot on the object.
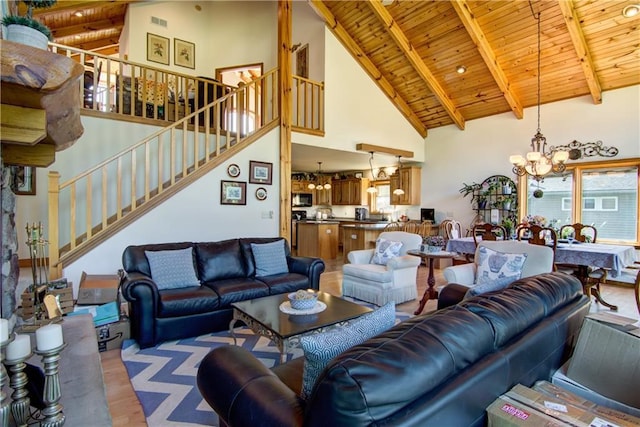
(399, 191)
(372, 189)
(319, 185)
(539, 162)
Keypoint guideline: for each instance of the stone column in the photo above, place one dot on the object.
(9, 247)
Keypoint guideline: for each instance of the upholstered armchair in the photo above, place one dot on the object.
(379, 283)
(460, 278)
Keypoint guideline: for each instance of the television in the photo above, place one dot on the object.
(427, 214)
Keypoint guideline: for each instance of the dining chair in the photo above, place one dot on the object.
(538, 235)
(411, 227)
(393, 226)
(425, 228)
(477, 219)
(581, 232)
(488, 232)
(593, 276)
(452, 229)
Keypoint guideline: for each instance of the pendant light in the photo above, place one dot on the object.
(372, 189)
(399, 191)
(319, 185)
(539, 162)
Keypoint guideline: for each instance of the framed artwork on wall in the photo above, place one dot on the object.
(233, 193)
(302, 61)
(23, 180)
(260, 172)
(157, 49)
(184, 53)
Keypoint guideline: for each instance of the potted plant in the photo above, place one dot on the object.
(24, 28)
(508, 224)
(432, 244)
(507, 201)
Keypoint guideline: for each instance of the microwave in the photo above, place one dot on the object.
(302, 200)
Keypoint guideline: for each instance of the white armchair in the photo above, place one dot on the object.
(379, 284)
(460, 278)
(539, 260)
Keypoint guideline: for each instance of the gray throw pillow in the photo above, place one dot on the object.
(270, 258)
(320, 348)
(172, 269)
(496, 270)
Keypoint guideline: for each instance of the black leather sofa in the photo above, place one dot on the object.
(441, 369)
(227, 273)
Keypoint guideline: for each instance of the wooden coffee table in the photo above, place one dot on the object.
(263, 316)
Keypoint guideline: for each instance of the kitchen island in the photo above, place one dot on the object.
(359, 236)
(318, 239)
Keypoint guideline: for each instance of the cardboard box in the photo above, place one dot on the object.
(615, 417)
(560, 379)
(605, 359)
(98, 288)
(111, 335)
(506, 412)
(564, 410)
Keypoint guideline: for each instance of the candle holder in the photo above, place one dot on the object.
(20, 397)
(4, 406)
(52, 412)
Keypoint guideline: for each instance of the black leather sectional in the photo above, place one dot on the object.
(227, 273)
(440, 369)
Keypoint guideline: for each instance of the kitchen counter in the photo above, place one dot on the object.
(359, 236)
(366, 226)
(318, 239)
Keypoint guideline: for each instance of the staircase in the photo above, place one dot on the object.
(207, 131)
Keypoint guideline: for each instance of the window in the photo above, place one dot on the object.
(380, 202)
(603, 194)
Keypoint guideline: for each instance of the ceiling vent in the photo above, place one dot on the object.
(159, 21)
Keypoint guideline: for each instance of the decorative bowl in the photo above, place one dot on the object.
(303, 300)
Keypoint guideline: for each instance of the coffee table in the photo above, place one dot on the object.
(263, 317)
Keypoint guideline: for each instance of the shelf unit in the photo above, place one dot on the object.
(500, 196)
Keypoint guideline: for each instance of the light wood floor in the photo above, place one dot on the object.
(127, 412)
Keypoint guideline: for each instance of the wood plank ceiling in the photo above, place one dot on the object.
(411, 49)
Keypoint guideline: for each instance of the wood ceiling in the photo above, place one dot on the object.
(411, 50)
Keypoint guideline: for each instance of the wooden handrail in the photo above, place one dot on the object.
(205, 121)
(129, 180)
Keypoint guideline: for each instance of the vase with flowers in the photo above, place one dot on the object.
(432, 244)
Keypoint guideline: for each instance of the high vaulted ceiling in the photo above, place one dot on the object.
(411, 49)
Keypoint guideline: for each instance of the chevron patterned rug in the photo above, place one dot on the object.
(164, 377)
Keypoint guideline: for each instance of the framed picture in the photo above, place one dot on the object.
(184, 53)
(302, 61)
(233, 193)
(23, 180)
(261, 193)
(260, 172)
(233, 170)
(157, 49)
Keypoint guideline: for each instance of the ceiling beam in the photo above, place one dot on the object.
(22, 125)
(358, 54)
(416, 61)
(39, 155)
(89, 27)
(582, 50)
(75, 5)
(386, 150)
(484, 48)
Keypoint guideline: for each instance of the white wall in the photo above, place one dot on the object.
(195, 214)
(226, 33)
(308, 29)
(454, 157)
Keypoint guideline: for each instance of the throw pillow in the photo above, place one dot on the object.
(496, 270)
(385, 250)
(320, 348)
(172, 269)
(270, 258)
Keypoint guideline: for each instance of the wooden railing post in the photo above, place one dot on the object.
(55, 269)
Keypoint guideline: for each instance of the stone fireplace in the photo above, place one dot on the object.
(9, 249)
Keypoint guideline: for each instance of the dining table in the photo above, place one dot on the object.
(613, 258)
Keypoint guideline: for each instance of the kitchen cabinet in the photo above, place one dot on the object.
(323, 197)
(318, 239)
(349, 191)
(300, 187)
(409, 179)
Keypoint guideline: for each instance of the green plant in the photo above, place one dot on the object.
(469, 189)
(27, 19)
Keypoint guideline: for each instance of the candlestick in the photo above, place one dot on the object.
(4, 406)
(20, 396)
(4, 330)
(52, 412)
(49, 337)
(19, 348)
